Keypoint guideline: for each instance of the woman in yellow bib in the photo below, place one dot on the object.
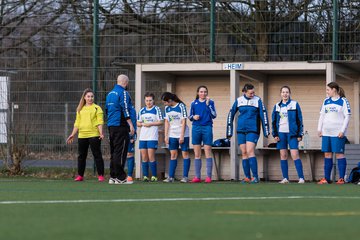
(89, 123)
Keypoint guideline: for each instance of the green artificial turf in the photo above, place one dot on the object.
(177, 211)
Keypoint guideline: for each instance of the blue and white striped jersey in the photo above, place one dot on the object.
(149, 116)
(334, 116)
(287, 118)
(174, 115)
(252, 113)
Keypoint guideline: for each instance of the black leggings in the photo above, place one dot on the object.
(95, 146)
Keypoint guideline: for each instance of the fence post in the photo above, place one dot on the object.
(95, 52)
(66, 128)
(335, 28)
(212, 30)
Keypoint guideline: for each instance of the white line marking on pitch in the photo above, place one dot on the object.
(284, 213)
(169, 199)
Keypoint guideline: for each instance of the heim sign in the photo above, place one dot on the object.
(233, 66)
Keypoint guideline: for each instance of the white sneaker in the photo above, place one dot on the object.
(118, 181)
(284, 181)
(301, 181)
(358, 183)
(112, 181)
(169, 180)
(184, 180)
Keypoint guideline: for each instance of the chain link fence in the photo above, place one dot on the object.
(46, 52)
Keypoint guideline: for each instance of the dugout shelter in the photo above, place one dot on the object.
(307, 81)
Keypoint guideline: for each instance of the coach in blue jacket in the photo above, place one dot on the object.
(118, 108)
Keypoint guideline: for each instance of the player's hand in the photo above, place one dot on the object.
(196, 117)
(70, 139)
(101, 137)
(320, 134)
(207, 101)
(340, 135)
(181, 140)
(277, 139)
(132, 130)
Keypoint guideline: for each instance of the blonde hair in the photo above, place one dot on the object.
(82, 99)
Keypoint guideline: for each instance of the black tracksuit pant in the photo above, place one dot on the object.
(95, 146)
(119, 142)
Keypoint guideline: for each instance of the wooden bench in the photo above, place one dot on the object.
(309, 155)
(217, 157)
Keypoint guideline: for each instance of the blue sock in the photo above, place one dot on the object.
(187, 163)
(299, 168)
(284, 168)
(342, 167)
(328, 164)
(253, 167)
(197, 168)
(153, 167)
(172, 167)
(145, 168)
(130, 165)
(209, 166)
(246, 168)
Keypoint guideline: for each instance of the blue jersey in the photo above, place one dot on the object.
(252, 112)
(206, 112)
(117, 107)
(292, 116)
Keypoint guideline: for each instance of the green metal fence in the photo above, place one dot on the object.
(47, 50)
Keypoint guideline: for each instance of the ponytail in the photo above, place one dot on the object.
(341, 92)
(339, 89)
(170, 96)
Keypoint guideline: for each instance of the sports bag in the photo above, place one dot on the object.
(354, 176)
(222, 142)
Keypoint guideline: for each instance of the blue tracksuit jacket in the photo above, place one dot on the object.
(251, 113)
(118, 106)
(295, 119)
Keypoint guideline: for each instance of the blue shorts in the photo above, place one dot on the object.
(285, 140)
(148, 144)
(247, 137)
(174, 144)
(202, 134)
(333, 144)
(131, 147)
